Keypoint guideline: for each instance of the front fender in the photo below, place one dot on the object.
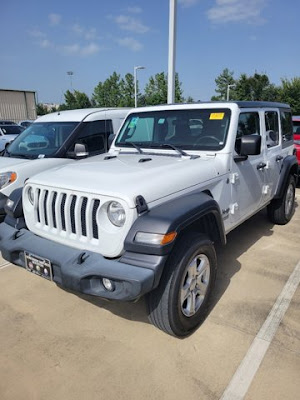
(174, 215)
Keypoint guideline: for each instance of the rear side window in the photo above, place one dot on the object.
(272, 128)
(286, 127)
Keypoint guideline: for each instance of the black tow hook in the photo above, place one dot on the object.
(81, 258)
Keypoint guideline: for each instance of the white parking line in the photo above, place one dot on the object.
(241, 380)
(5, 265)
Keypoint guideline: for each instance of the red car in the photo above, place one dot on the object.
(296, 128)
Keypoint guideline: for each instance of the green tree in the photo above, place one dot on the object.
(289, 93)
(156, 91)
(75, 100)
(255, 88)
(222, 81)
(108, 93)
(189, 99)
(41, 109)
(127, 91)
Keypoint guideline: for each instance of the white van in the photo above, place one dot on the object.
(55, 139)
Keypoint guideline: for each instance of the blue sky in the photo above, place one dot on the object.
(40, 41)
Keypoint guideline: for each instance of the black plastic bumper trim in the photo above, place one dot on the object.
(133, 275)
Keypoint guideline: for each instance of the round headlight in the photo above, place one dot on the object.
(116, 213)
(30, 194)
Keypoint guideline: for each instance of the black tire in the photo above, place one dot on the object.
(280, 211)
(166, 308)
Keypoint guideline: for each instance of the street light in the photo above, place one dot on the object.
(228, 89)
(135, 84)
(172, 51)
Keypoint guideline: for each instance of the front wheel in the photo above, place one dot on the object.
(280, 211)
(180, 302)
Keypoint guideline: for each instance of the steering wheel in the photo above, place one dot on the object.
(207, 137)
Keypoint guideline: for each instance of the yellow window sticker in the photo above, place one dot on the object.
(216, 115)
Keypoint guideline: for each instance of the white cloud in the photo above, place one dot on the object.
(187, 3)
(45, 43)
(88, 34)
(130, 43)
(54, 19)
(37, 33)
(77, 29)
(237, 11)
(90, 49)
(71, 49)
(134, 10)
(78, 50)
(128, 23)
(91, 34)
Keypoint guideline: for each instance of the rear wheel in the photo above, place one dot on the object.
(280, 211)
(180, 302)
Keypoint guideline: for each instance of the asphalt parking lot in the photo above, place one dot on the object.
(56, 345)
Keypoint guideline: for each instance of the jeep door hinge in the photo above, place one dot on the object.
(233, 208)
(265, 189)
(233, 177)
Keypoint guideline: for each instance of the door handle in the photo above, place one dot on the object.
(261, 165)
(279, 158)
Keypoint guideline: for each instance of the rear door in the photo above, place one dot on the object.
(272, 143)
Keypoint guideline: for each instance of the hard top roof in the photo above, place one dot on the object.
(80, 114)
(211, 104)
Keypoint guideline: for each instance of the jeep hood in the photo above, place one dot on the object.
(8, 162)
(127, 176)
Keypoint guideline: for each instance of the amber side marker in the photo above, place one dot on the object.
(168, 238)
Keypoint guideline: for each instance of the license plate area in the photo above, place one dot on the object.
(38, 265)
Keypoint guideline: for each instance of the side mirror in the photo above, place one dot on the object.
(80, 150)
(248, 145)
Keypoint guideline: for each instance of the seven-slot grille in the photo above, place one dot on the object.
(71, 213)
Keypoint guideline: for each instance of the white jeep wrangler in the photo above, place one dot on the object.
(145, 218)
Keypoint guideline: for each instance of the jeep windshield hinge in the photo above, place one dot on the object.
(141, 205)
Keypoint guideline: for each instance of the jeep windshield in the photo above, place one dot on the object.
(41, 138)
(197, 129)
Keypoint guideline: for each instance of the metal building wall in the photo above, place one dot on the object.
(17, 105)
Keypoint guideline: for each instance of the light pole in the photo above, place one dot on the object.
(228, 90)
(172, 51)
(70, 73)
(135, 84)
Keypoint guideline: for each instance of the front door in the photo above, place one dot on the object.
(248, 177)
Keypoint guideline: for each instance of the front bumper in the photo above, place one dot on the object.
(82, 271)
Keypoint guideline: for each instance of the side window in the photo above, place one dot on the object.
(286, 127)
(248, 125)
(272, 128)
(94, 136)
(138, 130)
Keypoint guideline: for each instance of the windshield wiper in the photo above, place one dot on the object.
(178, 150)
(133, 145)
(171, 146)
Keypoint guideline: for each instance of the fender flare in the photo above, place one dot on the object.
(175, 215)
(289, 167)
